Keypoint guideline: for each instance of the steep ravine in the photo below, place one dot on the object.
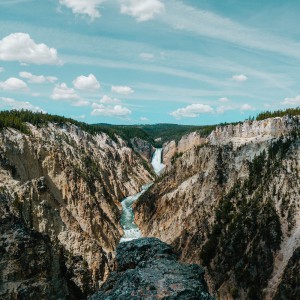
(131, 230)
(60, 213)
(232, 204)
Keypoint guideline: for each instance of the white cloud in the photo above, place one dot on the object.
(81, 102)
(86, 82)
(37, 78)
(292, 101)
(144, 119)
(13, 84)
(124, 90)
(51, 79)
(84, 7)
(191, 111)
(142, 10)
(246, 106)
(20, 47)
(146, 56)
(223, 108)
(63, 92)
(13, 104)
(108, 100)
(224, 99)
(239, 78)
(108, 111)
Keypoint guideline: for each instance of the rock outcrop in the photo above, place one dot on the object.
(233, 206)
(59, 192)
(144, 148)
(188, 141)
(253, 131)
(148, 269)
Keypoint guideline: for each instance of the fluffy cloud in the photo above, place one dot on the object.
(292, 101)
(144, 119)
(246, 106)
(224, 99)
(223, 108)
(81, 102)
(37, 78)
(13, 84)
(108, 100)
(191, 111)
(89, 8)
(146, 56)
(142, 10)
(63, 92)
(13, 104)
(239, 78)
(123, 90)
(20, 47)
(86, 83)
(109, 111)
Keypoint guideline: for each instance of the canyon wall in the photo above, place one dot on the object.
(232, 204)
(142, 147)
(188, 141)
(59, 204)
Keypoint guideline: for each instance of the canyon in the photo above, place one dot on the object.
(231, 203)
(60, 212)
(227, 200)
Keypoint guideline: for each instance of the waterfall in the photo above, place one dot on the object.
(157, 164)
(131, 230)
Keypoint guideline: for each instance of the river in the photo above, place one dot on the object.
(131, 230)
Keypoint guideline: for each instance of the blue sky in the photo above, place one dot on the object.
(150, 61)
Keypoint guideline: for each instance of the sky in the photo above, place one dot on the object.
(150, 61)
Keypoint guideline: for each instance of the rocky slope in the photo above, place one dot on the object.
(144, 148)
(148, 269)
(188, 141)
(232, 204)
(59, 199)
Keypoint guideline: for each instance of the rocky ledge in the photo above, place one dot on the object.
(147, 268)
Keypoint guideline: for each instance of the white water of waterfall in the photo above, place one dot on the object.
(131, 230)
(158, 166)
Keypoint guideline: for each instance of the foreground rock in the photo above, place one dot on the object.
(148, 269)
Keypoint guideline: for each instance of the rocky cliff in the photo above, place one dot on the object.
(188, 141)
(59, 198)
(232, 204)
(148, 269)
(144, 148)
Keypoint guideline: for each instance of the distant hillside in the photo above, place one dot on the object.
(158, 133)
(164, 132)
(17, 119)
